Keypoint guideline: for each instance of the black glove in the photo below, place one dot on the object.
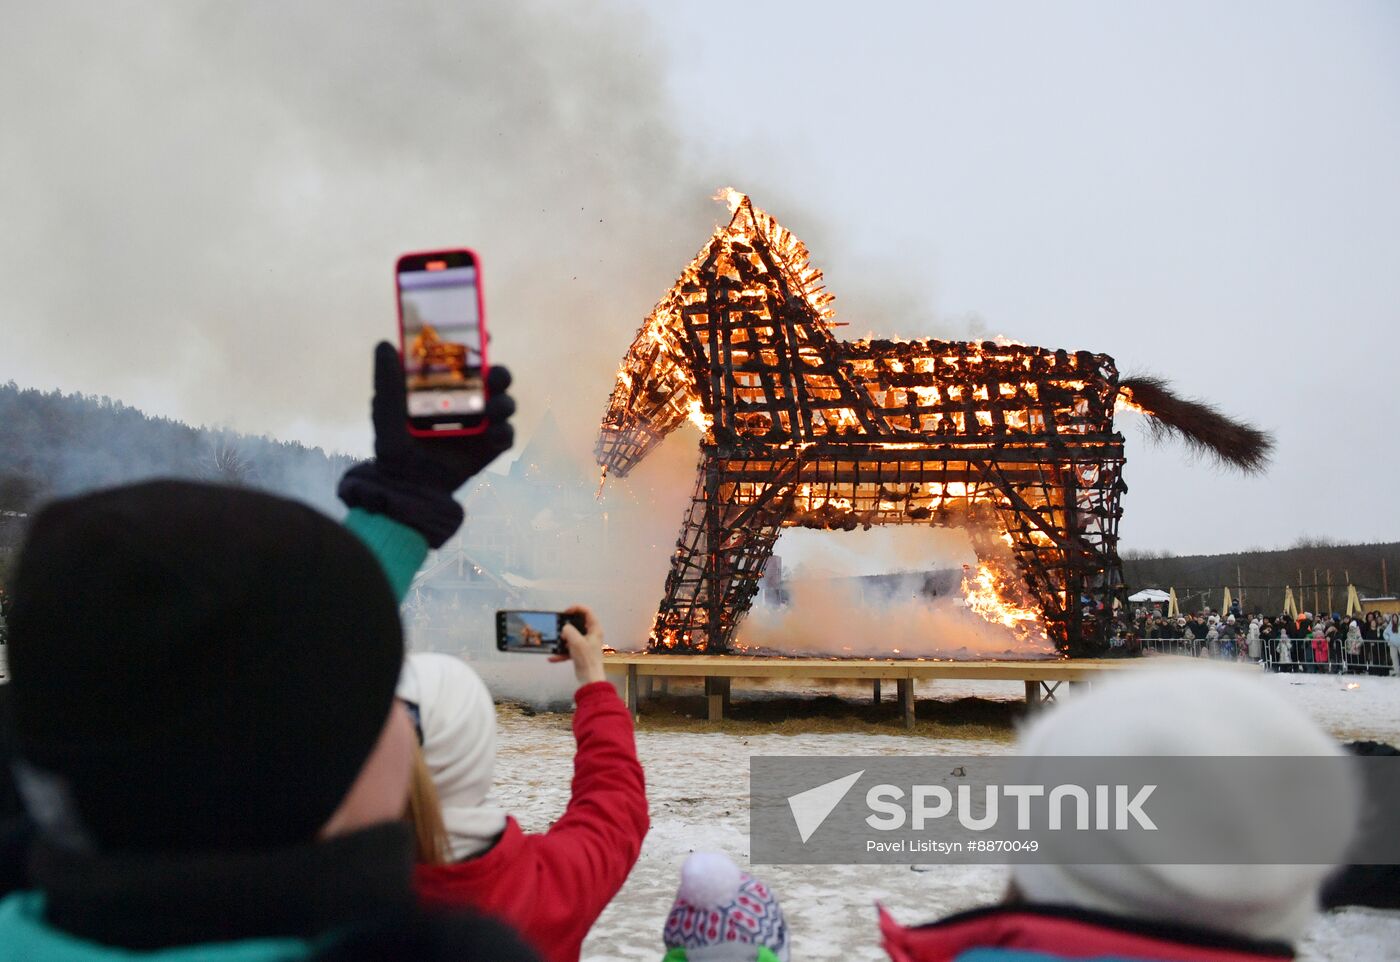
(412, 480)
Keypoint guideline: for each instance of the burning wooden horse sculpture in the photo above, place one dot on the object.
(800, 429)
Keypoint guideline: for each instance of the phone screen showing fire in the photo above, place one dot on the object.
(442, 343)
(529, 631)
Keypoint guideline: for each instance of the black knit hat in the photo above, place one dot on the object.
(195, 667)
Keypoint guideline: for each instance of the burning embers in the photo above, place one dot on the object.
(800, 429)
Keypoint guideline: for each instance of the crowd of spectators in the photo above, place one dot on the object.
(1328, 643)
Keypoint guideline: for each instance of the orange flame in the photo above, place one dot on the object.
(731, 197)
(996, 598)
(1125, 402)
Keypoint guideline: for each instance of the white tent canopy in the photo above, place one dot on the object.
(1149, 595)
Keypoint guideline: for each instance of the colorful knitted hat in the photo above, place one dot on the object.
(723, 914)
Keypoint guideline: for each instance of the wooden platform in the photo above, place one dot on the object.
(636, 674)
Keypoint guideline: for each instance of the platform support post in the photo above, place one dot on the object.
(717, 695)
(648, 686)
(1032, 696)
(665, 684)
(629, 694)
(875, 691)
(905, 689)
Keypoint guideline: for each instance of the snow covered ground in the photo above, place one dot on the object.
(698, 784)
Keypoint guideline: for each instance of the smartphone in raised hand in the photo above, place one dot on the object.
(442, 341)
(538, 632)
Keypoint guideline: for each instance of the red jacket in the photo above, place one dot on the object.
(1319, 647)
(552, 887)
(1058, 933)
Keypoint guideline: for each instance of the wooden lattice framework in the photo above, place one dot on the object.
(800, 429)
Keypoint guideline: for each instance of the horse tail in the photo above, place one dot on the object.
(1201, 426)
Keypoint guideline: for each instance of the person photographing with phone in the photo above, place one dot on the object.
(440, 416)
(550, 886)
(211, 758)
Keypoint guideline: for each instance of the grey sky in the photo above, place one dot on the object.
(203, 202)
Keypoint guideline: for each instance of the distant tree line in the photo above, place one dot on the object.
(54, 444)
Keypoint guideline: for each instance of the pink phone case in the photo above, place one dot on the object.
(480, 313)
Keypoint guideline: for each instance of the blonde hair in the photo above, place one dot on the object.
(424, 813)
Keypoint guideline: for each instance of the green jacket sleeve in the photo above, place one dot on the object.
(399, 548)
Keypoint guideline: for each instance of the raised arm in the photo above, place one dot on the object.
(597, 840)
(402, 502)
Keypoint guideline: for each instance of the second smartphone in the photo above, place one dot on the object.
(534, 631)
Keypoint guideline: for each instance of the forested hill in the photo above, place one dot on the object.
(1264, 574)
(54, 444)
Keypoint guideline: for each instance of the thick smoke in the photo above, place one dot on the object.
(830, 610)
(203, 202)
(837, 619)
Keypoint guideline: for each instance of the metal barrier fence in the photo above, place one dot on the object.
(1296, 655)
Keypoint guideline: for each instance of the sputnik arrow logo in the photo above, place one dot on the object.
(810, 808)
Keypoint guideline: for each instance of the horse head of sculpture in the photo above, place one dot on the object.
(751, 264)
(654, 393)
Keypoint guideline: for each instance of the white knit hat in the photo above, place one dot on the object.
(1199, 710)
(458, 721)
